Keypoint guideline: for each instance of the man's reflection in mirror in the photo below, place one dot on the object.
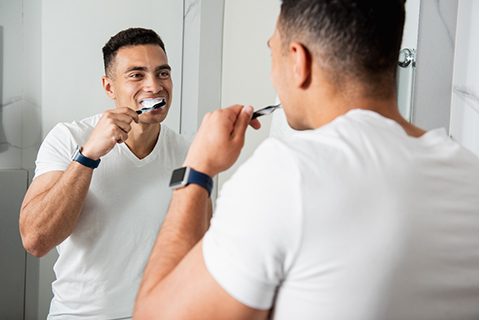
(100, 190)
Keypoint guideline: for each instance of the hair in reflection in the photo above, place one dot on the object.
(126, 38)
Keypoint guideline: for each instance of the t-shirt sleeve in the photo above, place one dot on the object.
(255, 231)
(56, 151)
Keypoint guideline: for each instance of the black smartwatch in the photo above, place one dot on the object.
(87, 162)
(184, 176)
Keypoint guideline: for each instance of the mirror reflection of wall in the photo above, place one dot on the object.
(246, 65)
(20, 130)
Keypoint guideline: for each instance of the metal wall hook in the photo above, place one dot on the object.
(407, 56)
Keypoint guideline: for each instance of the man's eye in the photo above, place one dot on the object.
(135, 75)
(164, 74)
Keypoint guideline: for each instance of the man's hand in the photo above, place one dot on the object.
(220, 139)
(112, 128)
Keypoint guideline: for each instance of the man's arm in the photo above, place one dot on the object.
(52, 206)
(53, 202)
(176, 283)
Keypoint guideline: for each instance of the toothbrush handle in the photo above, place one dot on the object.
(264, 111)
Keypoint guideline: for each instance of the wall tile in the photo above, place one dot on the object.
(464, 110)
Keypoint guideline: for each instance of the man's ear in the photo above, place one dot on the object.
(108, 87)
(301, 59)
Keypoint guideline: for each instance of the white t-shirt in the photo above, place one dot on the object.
(100, 264)
(354, 220)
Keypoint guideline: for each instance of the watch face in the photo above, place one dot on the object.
(178, 176)
(75, 154)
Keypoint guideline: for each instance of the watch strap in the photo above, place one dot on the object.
(184, 176)
(201, 179)
(86, 161)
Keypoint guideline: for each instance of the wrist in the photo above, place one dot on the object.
(185, 176)
(87, 152)
(84, 160)
(204, 168)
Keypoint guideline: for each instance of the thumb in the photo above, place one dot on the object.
(242, 122)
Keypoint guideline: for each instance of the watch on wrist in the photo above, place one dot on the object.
(184, 176)
(87, 162)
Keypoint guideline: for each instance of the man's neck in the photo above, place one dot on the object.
(335, 106)
(142, 139)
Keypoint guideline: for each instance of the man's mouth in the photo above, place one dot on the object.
(150, 104)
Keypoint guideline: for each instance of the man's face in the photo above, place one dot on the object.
(280, 70)
(282, 74)
(275, 45)
(137, 73)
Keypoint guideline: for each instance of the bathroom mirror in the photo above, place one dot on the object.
(51, 65)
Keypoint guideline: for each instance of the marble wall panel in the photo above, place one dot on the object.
(464, 110)
(433, 79)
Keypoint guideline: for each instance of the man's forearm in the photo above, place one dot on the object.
(186, 222)
(50, 217)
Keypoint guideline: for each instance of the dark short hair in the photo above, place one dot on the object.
(126, 38)
(354, 39)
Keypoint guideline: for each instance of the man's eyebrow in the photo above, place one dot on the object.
(136, 68)
(140, 68)
(163, 67)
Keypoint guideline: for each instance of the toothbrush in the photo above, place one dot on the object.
(151, 107)
(265, 111)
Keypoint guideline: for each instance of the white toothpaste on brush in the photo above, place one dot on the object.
(150, 104)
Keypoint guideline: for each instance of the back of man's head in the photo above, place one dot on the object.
(353, 40)
(126, 38)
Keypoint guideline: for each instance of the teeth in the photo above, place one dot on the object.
(150, 102)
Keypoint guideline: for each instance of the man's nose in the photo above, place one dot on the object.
(153, 84)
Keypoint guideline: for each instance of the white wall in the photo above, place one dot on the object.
(11, 86)
(464, 109)
(247, 27)
(19, 83)
(433, 84)
(410, 31)
(446, 88)
(202, 61)
(20, 96)
(32, 77)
